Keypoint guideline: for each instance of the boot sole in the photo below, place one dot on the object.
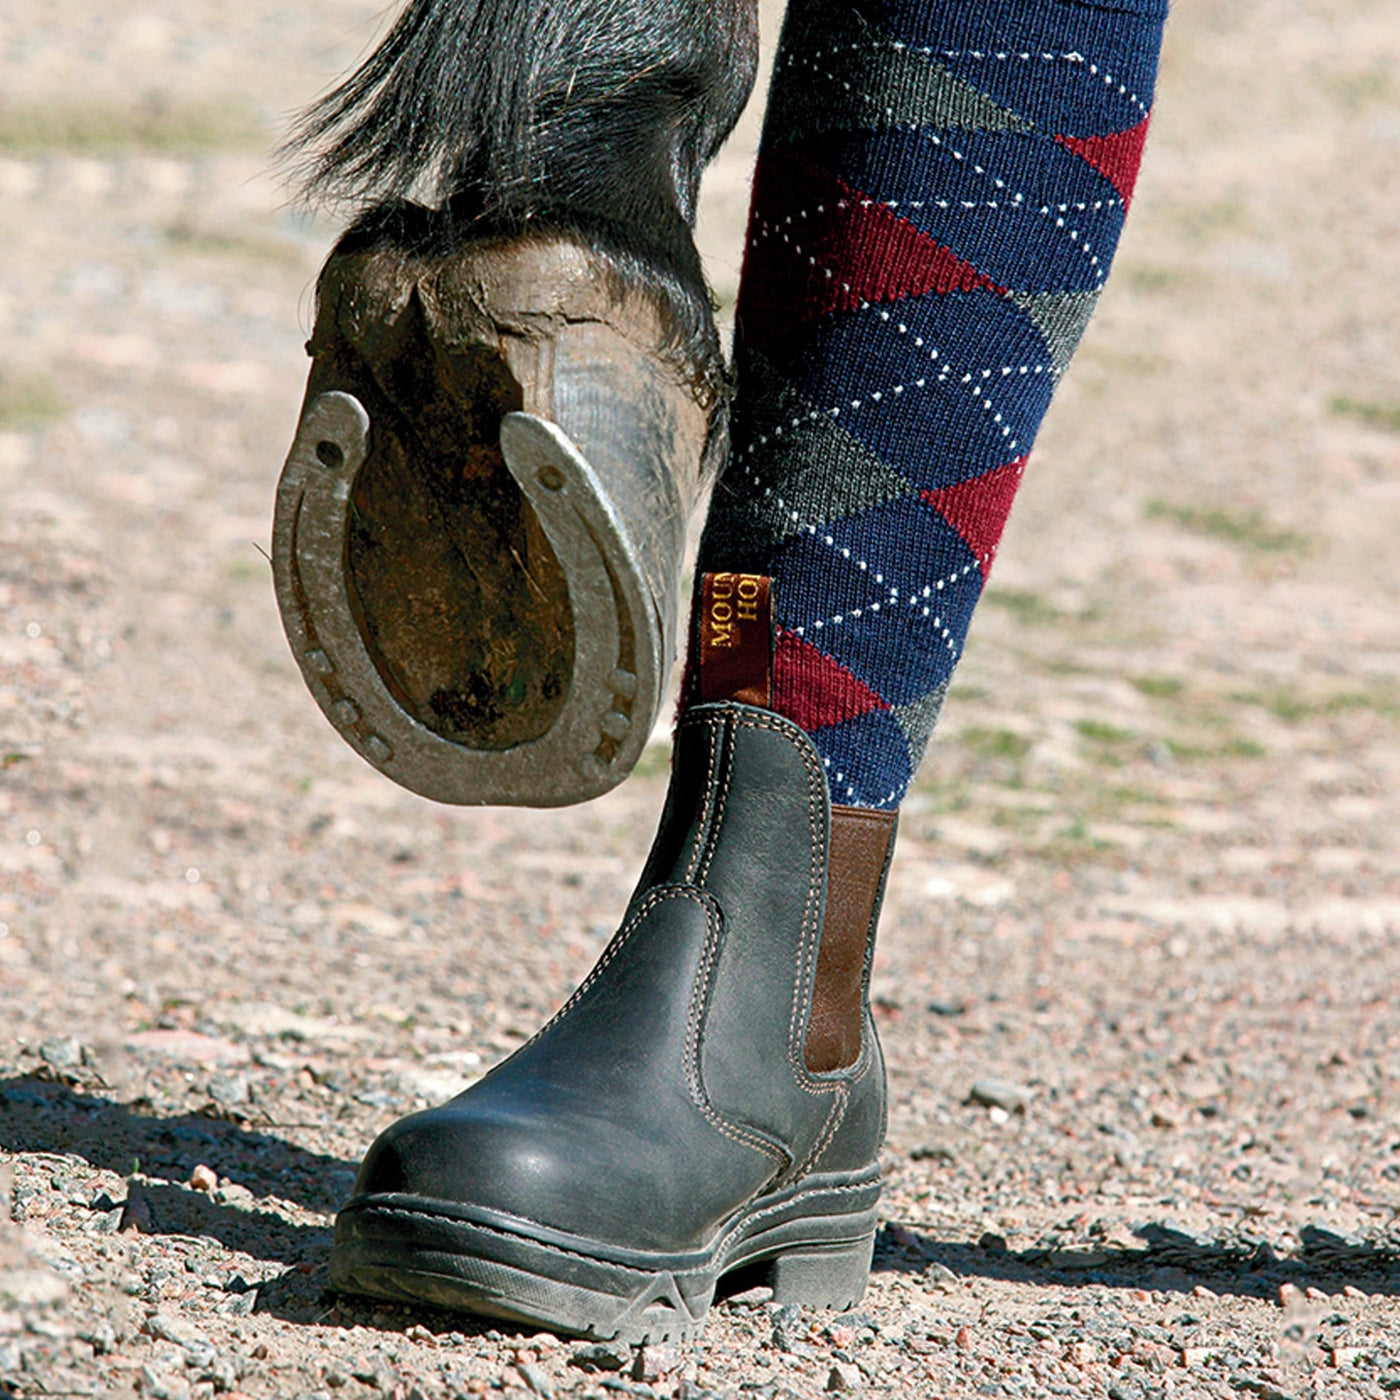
(619, 658)
(816, 1239)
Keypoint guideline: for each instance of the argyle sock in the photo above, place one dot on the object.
(939, 194)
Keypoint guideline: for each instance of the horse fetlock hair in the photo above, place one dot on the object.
(592, 117)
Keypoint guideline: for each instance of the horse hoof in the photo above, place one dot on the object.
(479, 528)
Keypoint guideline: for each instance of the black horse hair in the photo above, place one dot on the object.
(593, 118)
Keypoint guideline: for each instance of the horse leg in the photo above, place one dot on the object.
(517, 388)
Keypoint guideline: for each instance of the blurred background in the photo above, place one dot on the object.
(1150, 869)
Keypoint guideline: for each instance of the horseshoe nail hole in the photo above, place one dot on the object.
(330, 454)
(551, 478)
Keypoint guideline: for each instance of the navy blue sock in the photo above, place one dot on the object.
(939, 194)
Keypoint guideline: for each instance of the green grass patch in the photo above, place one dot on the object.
(1074, 843)
(184, 237)
(1385, 416)
(1288, 705)
(1380, 702)
(1027, 608)
(1064, 666)
(1359, 90)
(100, 129)
(1153, 278)
(1233, 747)
(940, 796)
(1022, 820)
(1292, 707)
(994, 743)
(1248, 529)
(1100, 733)
(1158, 687)
(1239, 747)
(29, 401)
(1133, 797)
(1201, 221)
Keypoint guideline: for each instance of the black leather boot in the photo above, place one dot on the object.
(713, 1095)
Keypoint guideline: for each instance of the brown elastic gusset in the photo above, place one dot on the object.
(861, 843)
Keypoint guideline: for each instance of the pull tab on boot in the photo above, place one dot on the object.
(735, 651)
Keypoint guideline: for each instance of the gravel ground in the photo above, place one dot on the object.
(1138, 974)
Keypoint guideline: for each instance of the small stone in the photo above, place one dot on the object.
(240, 1305)
(1198, 1356)
(62, 1052)
(137, 1216)
(1201, 1291)
(102, 1338)
(226, 1372)
(108, 1223)
(1289, 1295)
(375, 1371)
(1002, 1094)
(897, 1237)
(998, 1116)
(204, 1178)
(963, 1339)
(752, 1297)
(174, 1329)
(200, 1357)
(1156, 1356)
(601, 1356)
(157, 1385)
(1081, 1353)
(535, 1379)
(653, 1362)
(1165, 1117)
(335, 1378)
(843, 1378)
(859, 1320)
(189, 1045)
(1082, 1259)
(1316, 1295)
(992, 1243)
(937, 1273)
(1352, 1291)
(230, 1090)
(785, 1318)
(234, 1193)
(932, 1152)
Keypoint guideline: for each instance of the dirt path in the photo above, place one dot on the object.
(1150, 875)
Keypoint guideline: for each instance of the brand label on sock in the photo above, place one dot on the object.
(736, 638)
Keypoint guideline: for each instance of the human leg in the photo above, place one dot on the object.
(938, 199)
(714, 1094)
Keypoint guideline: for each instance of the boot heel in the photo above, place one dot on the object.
(830, 1277)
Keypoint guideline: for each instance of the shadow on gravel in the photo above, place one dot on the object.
(41, 1117)
(1170, 1261)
